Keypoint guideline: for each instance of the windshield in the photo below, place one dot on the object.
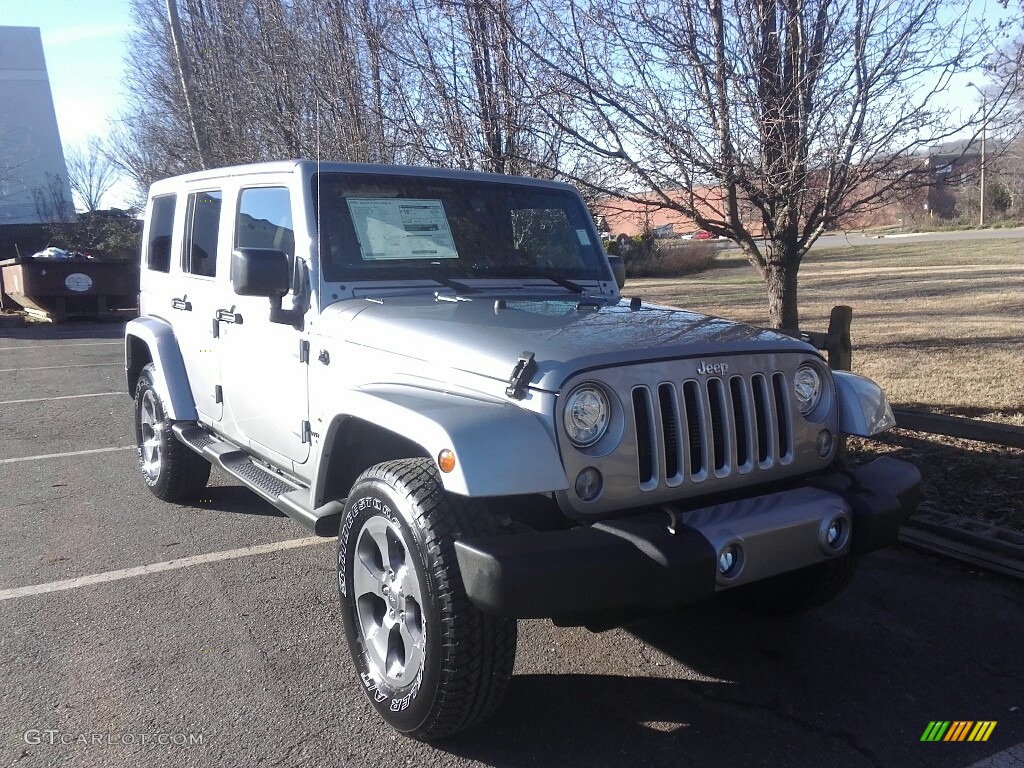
(384, 226)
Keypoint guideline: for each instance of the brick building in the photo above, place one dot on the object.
(950, 168)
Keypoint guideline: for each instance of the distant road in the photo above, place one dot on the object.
(856, 238)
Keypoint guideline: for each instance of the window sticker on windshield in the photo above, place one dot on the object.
(583, 236)
(401, 228)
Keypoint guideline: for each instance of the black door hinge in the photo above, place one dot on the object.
(303, 351)
(218, 394)
(521, 376)
(307, 432)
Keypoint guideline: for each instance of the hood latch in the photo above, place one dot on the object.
(521, 376)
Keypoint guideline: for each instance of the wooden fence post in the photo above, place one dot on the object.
(837, 341)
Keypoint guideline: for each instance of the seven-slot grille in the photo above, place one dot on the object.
(711, 429)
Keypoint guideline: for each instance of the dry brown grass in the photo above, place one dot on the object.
(959, 477)
(939, 325)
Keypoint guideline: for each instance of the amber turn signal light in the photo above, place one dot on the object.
(446, 460)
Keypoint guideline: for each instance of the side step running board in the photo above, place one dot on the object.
(287, 495)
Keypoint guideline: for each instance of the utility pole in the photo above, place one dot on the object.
(984, 125)
(984, 141)
(187, 83)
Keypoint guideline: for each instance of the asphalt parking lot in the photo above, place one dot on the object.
(236, 657)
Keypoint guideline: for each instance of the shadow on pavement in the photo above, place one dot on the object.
(235, 499)
(852, 684)
(111, 328)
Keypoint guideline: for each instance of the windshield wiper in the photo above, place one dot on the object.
(455, 285)
(568, 284)
(528, 265)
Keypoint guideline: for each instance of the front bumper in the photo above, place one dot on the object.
(666, 558)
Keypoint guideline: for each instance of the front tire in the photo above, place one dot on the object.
(428, 660)
(171, 470)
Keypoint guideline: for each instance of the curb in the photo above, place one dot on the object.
(970, 541)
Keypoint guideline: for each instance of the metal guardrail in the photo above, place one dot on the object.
(836, 343)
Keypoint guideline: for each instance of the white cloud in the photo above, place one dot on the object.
(69, 35)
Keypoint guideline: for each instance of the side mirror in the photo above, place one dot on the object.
(618, 269)
(259, 272)
(264, 272)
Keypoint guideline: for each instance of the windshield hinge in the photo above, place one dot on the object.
(521, 376)
(303, 351)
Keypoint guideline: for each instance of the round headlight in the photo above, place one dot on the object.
(807, 388)
(587, 415)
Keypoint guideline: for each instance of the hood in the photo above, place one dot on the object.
(479, 337)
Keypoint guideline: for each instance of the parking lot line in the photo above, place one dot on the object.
(69, 453)
(60, 397)
(60, 367)
(145, 570)
(50, 346)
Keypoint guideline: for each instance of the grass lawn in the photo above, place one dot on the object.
(939, 325)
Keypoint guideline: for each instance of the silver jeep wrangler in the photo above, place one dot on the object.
(438, 368)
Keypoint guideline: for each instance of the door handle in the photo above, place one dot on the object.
(181, 304)
(227, 316)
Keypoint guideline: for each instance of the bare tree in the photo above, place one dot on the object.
(460, 72)
(1006, 167)
(91, 173)
(765, 121)
(440, 82)
(183, 66)
(458, 105)
(53, 205)
(219, 82)
(349, 91)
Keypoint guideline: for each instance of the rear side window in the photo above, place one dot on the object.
(202, 224)
(161, 226)
(265, 220)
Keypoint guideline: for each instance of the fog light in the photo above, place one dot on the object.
(588, 484)
(834, 534)
(824, 443)
(728, 559)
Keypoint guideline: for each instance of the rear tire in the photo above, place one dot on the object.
(799, 590)
(429, 662)
(172, 471)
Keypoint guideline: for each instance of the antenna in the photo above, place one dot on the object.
(319, 186)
